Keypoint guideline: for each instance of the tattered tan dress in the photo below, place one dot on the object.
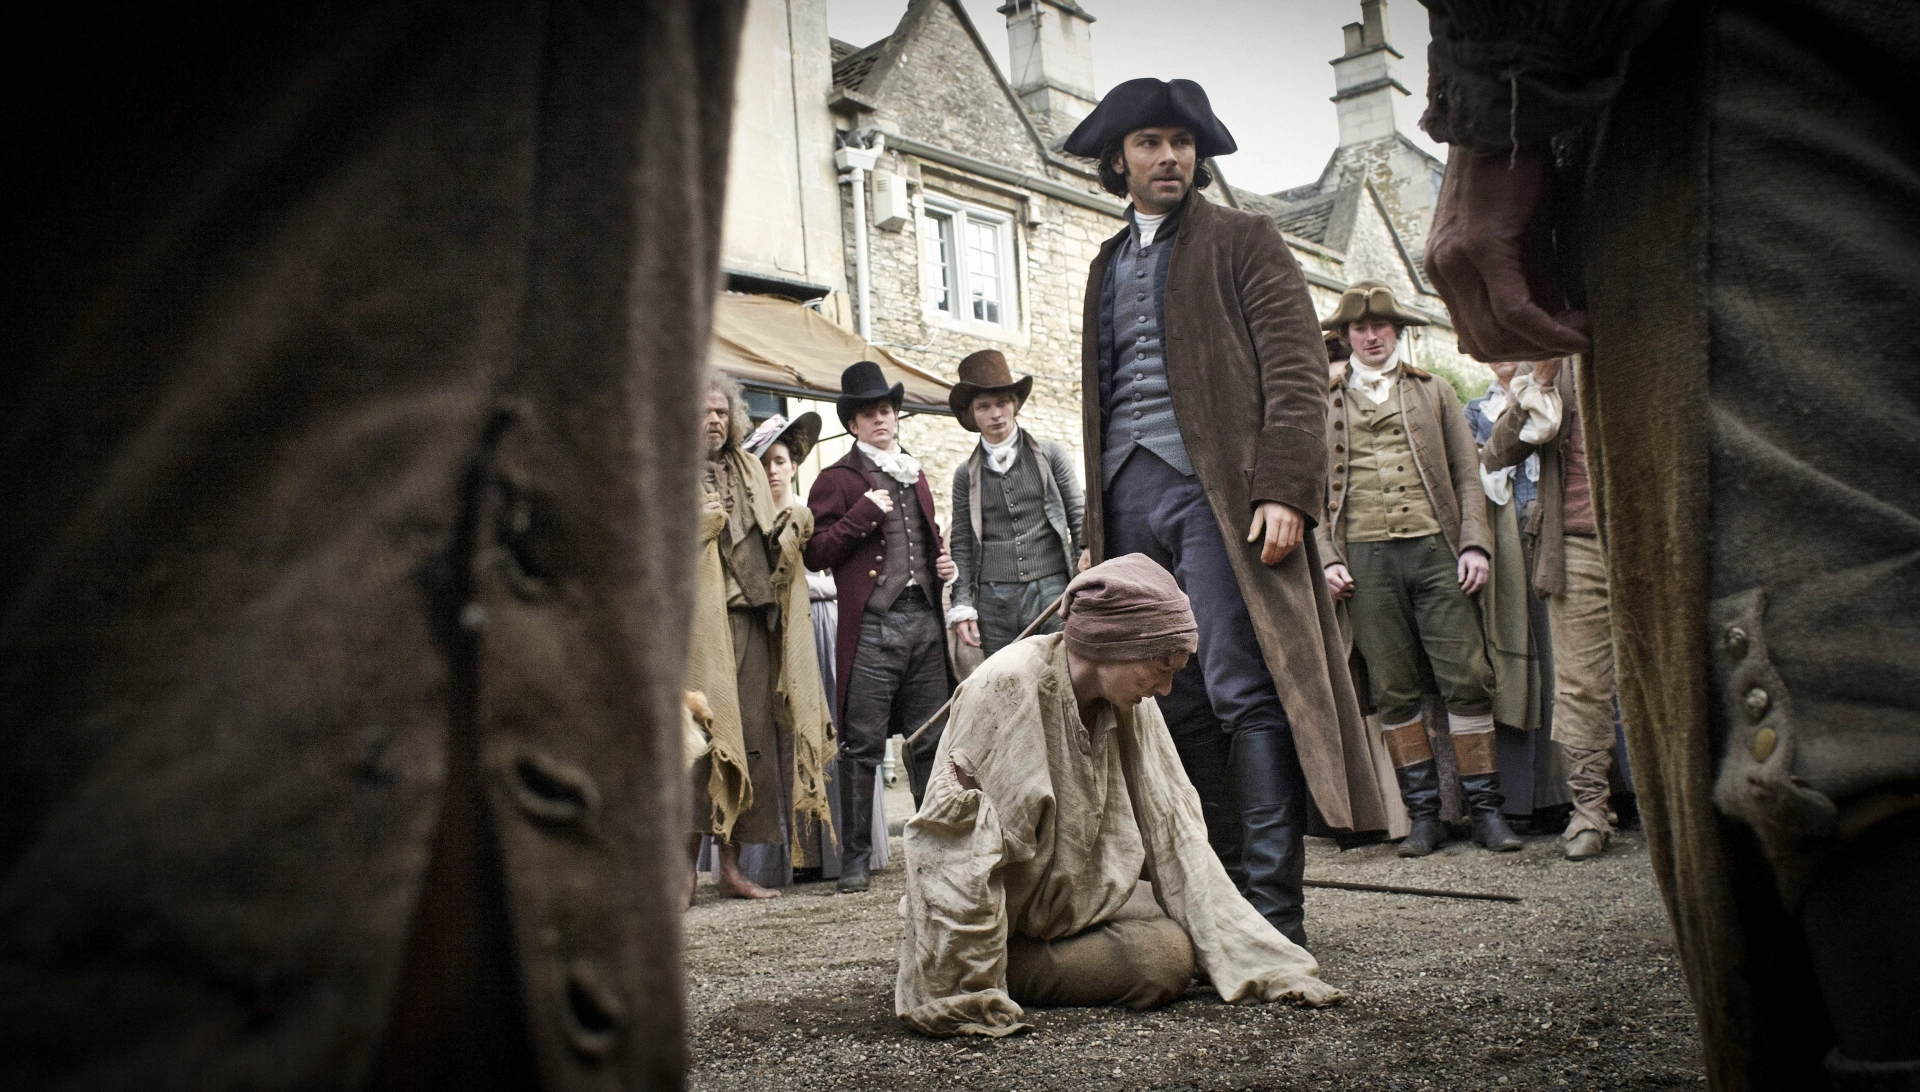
(1064, 824)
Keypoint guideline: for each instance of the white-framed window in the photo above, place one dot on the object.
(968, 254)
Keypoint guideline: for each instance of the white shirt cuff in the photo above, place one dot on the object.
(1543, 409)
(961, 613)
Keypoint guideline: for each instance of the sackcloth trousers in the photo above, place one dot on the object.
(1137, 959)
(1583, 721)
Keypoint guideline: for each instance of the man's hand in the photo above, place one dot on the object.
(1086, 559)
(1473, 569)
(1545, 372)
(1339, 581)
(968, 632)
(882, 498)
(943, 566)
(1486, 255)
(1282, 527)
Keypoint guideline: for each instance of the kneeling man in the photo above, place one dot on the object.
(1055, 792)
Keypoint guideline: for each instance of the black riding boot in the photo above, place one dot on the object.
(856, 825)
(1490, 829)
(1273, 809)
(1420, 791)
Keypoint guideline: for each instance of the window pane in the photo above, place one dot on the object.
(983, 269)
(939, 248)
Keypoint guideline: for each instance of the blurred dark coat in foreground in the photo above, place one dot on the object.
(353, 352)
(1743, 214)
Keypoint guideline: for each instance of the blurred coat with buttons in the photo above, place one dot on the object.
(354, 355)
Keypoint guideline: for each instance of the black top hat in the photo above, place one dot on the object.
(862, 384)
(1147, 102)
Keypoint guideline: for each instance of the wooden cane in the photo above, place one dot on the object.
(1024, 634)
(1393, 889)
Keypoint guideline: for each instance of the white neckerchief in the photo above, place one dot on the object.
(1375, 383)
(1149, 224)
(1000, 456)
(895, 464)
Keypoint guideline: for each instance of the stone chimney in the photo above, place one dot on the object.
(1367, 82)
(1050, 49)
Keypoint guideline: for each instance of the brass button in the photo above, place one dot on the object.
(1337, 403)
(1339, 485)
(1737, 643)
(871, 572)
(1763, 742)
(1756, 702)
(1338, 467)
(1339, 424)
(1339, 447)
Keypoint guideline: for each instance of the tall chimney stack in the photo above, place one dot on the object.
(1050, 49)
(1366, 79)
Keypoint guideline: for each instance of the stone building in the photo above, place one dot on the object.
(964, 228)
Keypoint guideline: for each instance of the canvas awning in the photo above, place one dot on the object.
(775, 344)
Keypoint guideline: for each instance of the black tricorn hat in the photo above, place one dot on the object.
(862, 384)
(1147, 102)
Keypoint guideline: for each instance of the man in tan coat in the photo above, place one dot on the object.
(1204, 379)
(1406, 543)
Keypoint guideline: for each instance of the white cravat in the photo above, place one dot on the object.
(1149, 224)
(895, 464)
(1000, 456)
(1374, 383)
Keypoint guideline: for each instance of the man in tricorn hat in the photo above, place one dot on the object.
(1016, 511)
(1406, 542)
(1204, 383)
(874, 527)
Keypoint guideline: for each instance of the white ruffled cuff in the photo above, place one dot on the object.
(1543, 408)
(959, 613)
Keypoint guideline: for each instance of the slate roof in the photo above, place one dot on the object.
(852, 65)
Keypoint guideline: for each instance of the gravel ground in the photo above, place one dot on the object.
(1575, 987)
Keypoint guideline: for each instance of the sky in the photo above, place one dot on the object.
(1263, 63)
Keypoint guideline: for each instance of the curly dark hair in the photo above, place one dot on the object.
(1115, 181)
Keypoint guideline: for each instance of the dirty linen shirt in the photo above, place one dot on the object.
(1052, 842)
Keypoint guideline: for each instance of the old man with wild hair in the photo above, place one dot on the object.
(1055, 789)
(751, 657)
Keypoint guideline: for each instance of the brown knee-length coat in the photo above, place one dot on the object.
(1248, 372)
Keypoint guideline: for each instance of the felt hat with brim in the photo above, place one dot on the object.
(1369, 299)
(799, 434)
(984, 372)
(863, 384)
(1145, 103)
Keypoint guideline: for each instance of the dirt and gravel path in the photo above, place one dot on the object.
(1576, 987)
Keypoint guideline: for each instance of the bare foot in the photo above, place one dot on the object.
(728, 880)
(739, 887)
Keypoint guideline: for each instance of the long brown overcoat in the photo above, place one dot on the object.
(1248, 372)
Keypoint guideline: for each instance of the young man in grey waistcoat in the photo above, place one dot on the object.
(1016, 512)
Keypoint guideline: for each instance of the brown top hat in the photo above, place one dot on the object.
(1369, 299)
(984, 372)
